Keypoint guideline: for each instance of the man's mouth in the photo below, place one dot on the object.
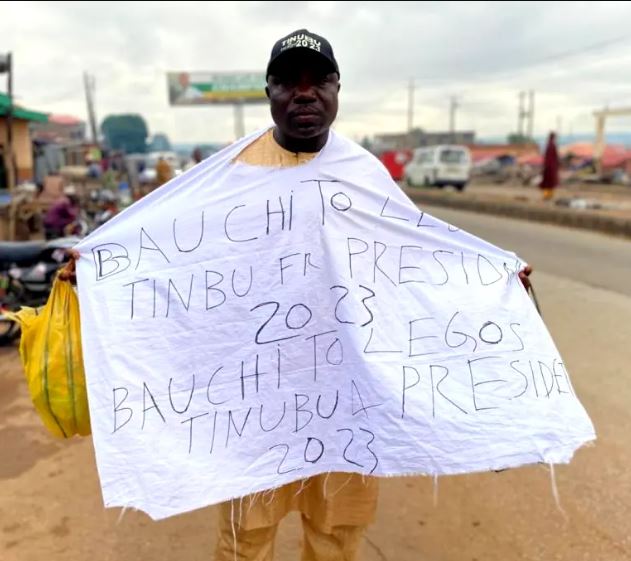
(301, 111)
(305, 116)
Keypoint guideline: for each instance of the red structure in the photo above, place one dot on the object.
(395, 161)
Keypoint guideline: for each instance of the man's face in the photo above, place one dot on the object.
(184, 81)
(302, 88)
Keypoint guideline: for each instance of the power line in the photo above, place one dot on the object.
(453, 106)
(581, 50)
(525, 66)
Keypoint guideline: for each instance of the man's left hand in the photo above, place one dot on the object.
(523, 276)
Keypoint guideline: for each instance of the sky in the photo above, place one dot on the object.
(575, 56)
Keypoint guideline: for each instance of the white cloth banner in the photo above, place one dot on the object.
(245, 327)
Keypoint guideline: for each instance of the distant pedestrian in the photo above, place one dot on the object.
(4, 175)
(550, 178)
(95, 169)
(196, 158)
(62, 215)
(163, 171)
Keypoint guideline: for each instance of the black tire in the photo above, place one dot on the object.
(9, 331)
(460, 187)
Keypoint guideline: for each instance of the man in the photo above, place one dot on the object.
(62, 214)
(182, 91)
(302, 86)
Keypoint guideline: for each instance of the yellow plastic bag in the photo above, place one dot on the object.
(50, 349)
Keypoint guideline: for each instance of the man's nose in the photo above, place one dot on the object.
(305, 91)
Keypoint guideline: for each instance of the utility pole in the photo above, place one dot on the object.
(12, 161)
(531, 113)
(239, 122)
(601, 118)
(526, 117)
(520, 114)
(411, 105)
(559, 125)
(453, 106)
(6, 65)
(89, 85)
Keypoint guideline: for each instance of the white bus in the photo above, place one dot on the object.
(439, 166)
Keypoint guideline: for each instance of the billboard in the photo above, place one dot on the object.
(200, 88)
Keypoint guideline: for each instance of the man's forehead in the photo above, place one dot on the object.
(294, 63)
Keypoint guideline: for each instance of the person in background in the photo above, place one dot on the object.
(4, 179)
(107, 207)
(62, 214)
(184, 90)
(163, 171)
(94, 168)
(550, 178)
(196, 158)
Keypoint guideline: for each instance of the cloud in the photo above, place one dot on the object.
(483, 53)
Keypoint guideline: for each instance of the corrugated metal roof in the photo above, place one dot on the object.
(20, 112)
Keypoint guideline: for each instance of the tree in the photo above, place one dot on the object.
(518, 138)
(160, 143)
(125, 132)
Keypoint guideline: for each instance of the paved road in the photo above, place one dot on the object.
(595, 259)
(50, 504)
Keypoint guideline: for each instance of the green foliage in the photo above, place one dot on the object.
(160, 143)
(125, 132)
(516, 138)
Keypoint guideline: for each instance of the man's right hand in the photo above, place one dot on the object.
(68, 273)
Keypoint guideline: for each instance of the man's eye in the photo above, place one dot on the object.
(284, 82)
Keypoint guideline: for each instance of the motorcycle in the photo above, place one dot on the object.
(27, 272)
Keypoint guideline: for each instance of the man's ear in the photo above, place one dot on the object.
(338, 87)
(267, 92)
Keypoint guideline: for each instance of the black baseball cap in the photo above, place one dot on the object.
(303, 40)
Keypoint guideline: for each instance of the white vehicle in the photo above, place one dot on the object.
(439, 166)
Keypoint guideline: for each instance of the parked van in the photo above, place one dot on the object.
(439, 166)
